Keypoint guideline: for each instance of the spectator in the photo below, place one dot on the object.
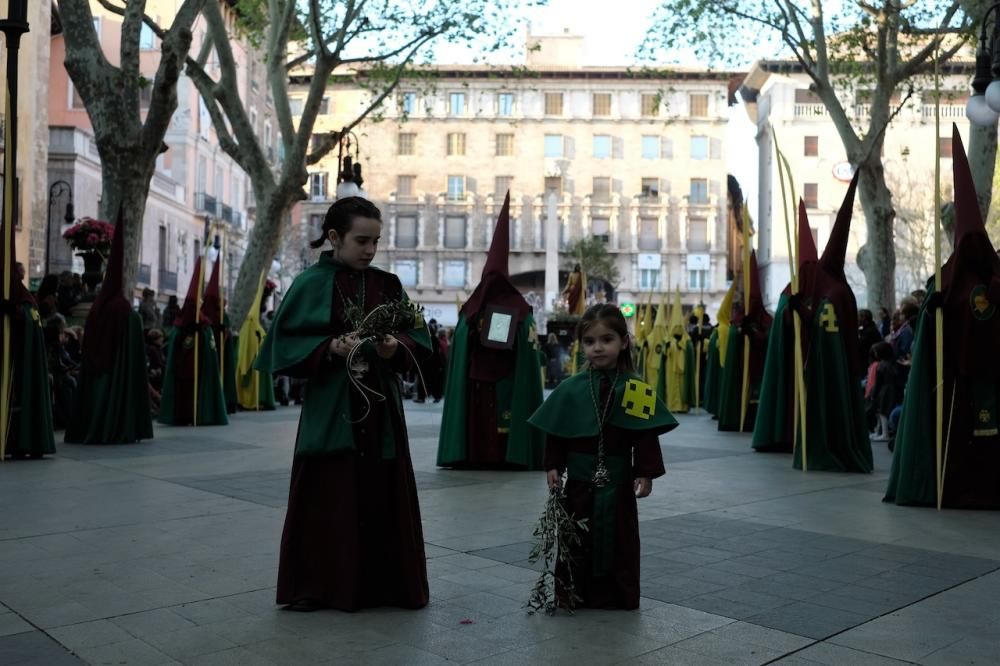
(868, 336)
(46, 297)
(903, 340)
(554, 356)
(884, 394)
(62, 371)
(148, 311)
(170, 313)
(884, 323)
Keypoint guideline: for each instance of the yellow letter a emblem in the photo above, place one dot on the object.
(639, 400)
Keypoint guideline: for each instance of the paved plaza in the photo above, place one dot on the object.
(166, 552)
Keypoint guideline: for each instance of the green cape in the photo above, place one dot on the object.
(113, 406)
(730, 398)
(569, 413)
(301, 324)
(31, 423)
(520, 394)
(712, 374)
(211, 400)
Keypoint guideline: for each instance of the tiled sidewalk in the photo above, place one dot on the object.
(165, 552)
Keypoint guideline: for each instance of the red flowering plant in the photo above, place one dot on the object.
(90, 235)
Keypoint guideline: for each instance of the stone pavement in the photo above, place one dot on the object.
(166, 552)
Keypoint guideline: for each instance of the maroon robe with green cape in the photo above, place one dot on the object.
(970, 282)
(606, 568)
(113, 400)
(352, 537)
(490, 393)
(215, 312)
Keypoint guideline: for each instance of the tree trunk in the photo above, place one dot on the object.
(262, 247)
(877, 258)
(125, 176)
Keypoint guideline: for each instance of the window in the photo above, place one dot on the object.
(145, 95)
(601, 188)
(502, 185)
(810, 194)
(649, 279)
(316, 222)
(650, 105)
(295, 105)
(697, 233)
(945, 143)
(76, 102)
(456, 188)
(650, 147)
(220, 179)
(146, 37)
(553, 184)
(699, 191)
(406, 143)
(649, 234)
(406, 271)
(505, 145)
(324, 106)
(811, 148)
(602, 146)
(201, 184)
(204, 118)
(553, 104)
(267, 137)
(197, 248)
(406, 231)
(317, 185)
(698, 105)
(650, 187)
(454, 231)
(505, 104)
(553, 145)
(404, 185)
(602, 104)
(699, 147)
(697, 279)
(162, 248)
(456, 104)
(453, 274)
(408, 102)
(456, 143)
(600, 229)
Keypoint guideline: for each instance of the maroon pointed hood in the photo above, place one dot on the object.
(755, 303)
(807, 246)
(495, 287)
(835, 252)
(186, 317)
(973, 249)
(211, 304)
(107, 321)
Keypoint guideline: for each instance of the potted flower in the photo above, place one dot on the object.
(92, 240)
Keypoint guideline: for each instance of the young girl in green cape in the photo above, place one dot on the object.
(602, 429)
(352, 537)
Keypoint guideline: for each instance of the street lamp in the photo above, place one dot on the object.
(57, 189)
(349, 180)
(983, 108)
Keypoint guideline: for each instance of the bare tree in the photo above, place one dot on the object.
(128, 145)
(914, 228)
(878, 47)
(380, 38)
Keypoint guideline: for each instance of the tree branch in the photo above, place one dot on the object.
(129, 52)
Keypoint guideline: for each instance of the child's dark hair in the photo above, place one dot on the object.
(612, 317)
(883, 351)
(342, 213)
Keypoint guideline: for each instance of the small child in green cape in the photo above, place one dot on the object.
(602, 430)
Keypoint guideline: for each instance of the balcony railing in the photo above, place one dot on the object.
(206, 203)
(810, 110)
(145, 274)
(167, 280)
(227, 213)
(947, 111)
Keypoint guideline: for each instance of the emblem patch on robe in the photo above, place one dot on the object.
(828, 320)
(639, 399)
(979, 301)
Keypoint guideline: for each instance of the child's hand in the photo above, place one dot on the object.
(553, 477)
(642, 486)
(387, 348)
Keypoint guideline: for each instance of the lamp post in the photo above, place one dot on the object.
(983, 108)
(349, 180)
(57, 189)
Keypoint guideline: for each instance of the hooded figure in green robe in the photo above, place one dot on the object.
(493, 384)
(30, 429)
(215, 311)
(970, 292)
(837, 434)
(192, 356)
(750, 326)
(113, 404)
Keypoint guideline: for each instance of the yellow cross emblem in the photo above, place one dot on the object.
(639, 400)
(828, 320)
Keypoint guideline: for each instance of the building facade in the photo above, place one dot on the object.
(635, 160)
(197, 193)
(781, 105)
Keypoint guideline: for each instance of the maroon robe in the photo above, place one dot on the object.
(352, 537)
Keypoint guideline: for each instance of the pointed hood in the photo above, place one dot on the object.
(211, 304)
(658, 331)
(251, 336)
(755, 301)
(186, 317)
(495, 287)
(807, 246)
(973, 249)
(677, 316)
(835, 252)
(107, 321)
